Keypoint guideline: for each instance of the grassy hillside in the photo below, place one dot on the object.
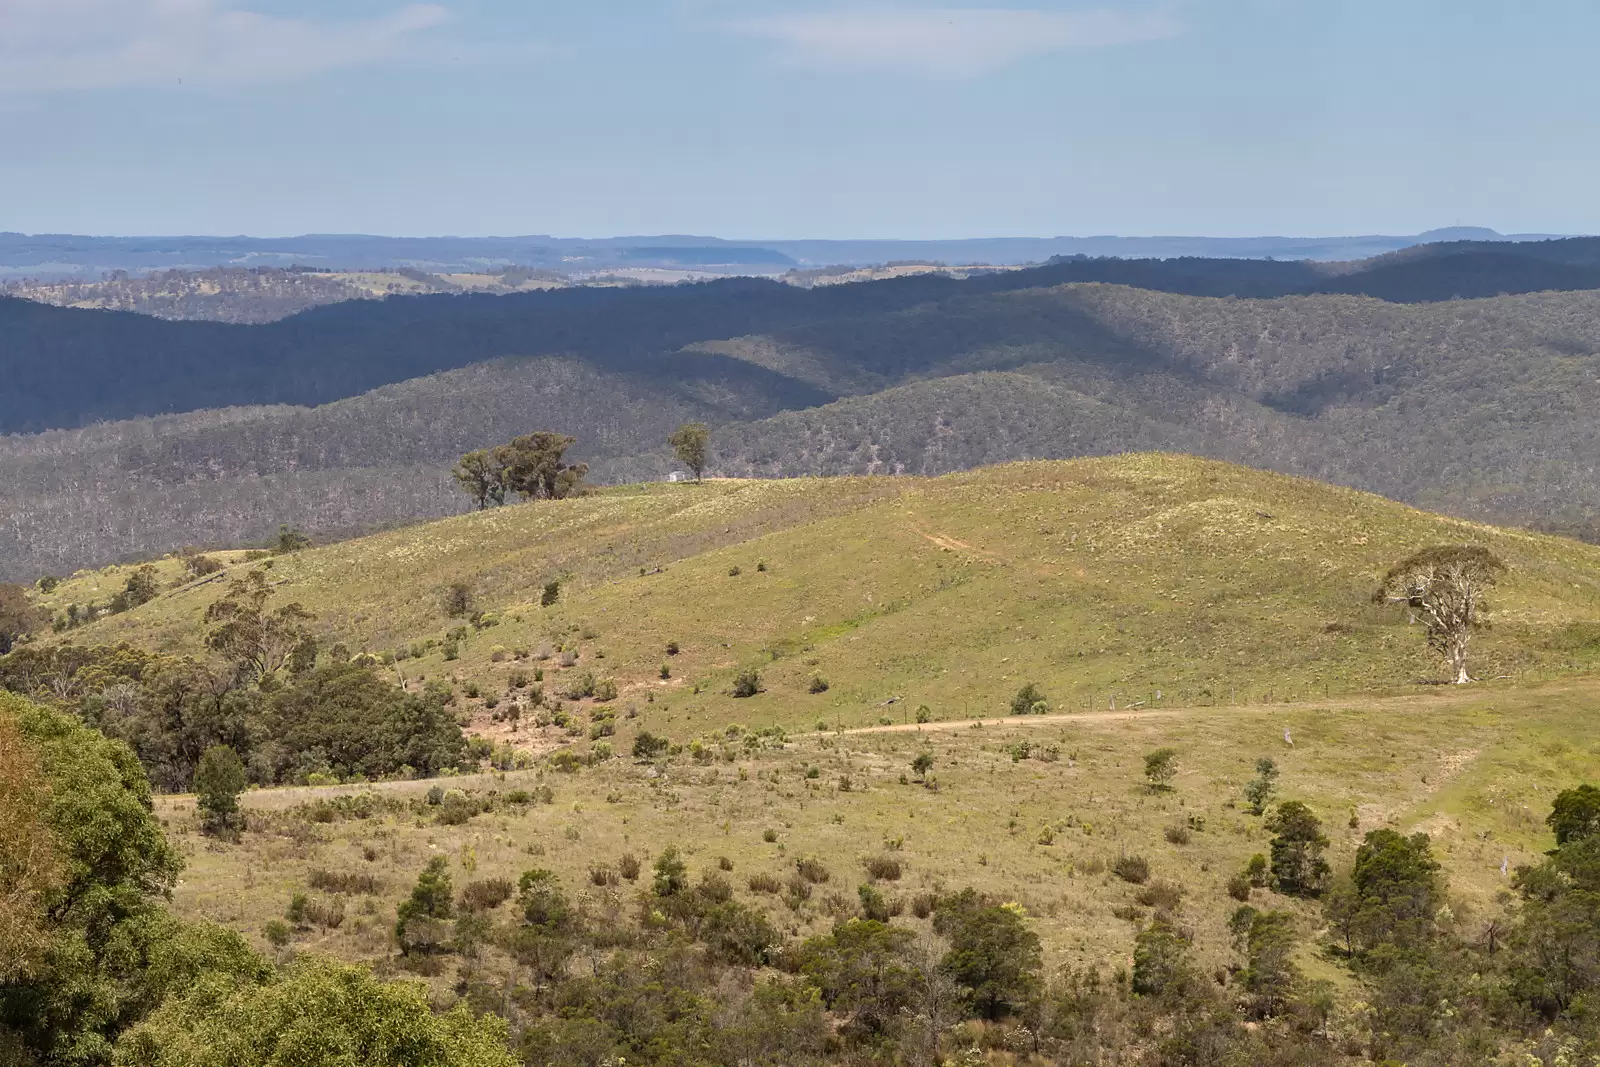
(1144, 579)
(1476, 770)
(1156, 601)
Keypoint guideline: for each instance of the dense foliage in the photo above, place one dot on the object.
(94, 970)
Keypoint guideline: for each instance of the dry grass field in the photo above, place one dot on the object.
(1043, 826)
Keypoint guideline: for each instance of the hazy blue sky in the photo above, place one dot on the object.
(794, 118)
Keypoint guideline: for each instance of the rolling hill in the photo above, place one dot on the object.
(1159, 603)
(1124, 576)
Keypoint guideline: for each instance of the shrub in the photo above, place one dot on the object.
(1160, 767)
(924, 713)
(812, 870)
(672, 648)
(747, 684)
(458, 600)
(197, 564)
(764, 883)
(733, 571)
(628, 866)
(601, 874)
(457, 808)
(1029, 701)
(1258, 791)
(582, 686)
(769, 835)
(605, 690)
(486, 894)
(277, 933)
(922, 905)
(551, 594)
(1160, 894)
(1177, 835)
(796, 891)
(724, 863)
(883, 868)
(671, 874)
(1239, 886)
(873, 905)
(647, 746)
(343, 881)
(666, 672)
(1256, 871)
(819, 684)
(328, 914)
(1161, 959)
(1132, 868)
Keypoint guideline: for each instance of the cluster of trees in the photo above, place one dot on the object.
(287, 709)
(533, 466)
(95, 971)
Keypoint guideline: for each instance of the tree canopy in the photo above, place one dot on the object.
(1446, 585)
(691, 442)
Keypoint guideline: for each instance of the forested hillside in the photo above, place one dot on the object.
(348, 417)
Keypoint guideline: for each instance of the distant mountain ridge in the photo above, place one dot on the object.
(144, 434)
(67, 255)
(69, 367)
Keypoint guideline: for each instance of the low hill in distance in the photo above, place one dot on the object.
(1146, 579)
(76, 256)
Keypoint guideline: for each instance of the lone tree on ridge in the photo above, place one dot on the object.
(1445, 585)
(692, 443)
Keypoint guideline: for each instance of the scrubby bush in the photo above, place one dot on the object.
(883, 868)
(812, 870)
(763, 882)
(1131, 868)
(1160, 894)
(647, 746)
(747, 683)
(349, 882)
(486, 894)
(1029, 701)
